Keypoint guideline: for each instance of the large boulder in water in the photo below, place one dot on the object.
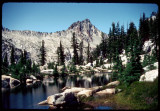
(9, 82)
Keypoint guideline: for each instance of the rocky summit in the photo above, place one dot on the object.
(31, 40)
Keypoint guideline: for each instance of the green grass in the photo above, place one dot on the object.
(139, 95)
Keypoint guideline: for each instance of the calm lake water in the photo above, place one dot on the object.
(28, 97)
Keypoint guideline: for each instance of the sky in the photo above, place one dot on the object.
(52, 17)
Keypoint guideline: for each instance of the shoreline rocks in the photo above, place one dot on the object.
(70, 95)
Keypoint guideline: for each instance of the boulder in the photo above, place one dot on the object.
(52, 99)
(106, 60)
(61, 99)
(109, 70)
(8, 81)
(149, 76)
(96, 70)
(95, 89)
(148, 46)
(114, 83)
(106, 91)
(33, 77)
(74, 90)
(89, 65)
(48, 71)
(108, 65)
(29, 80)
(86, 93)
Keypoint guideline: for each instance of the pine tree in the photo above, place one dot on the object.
(96, 52)
(62, 57)
(35, 68)
(55, 71)
(101, 61)
(133, 68)
(12, 56)
(88, 53)
(104, 45)
(5, 62)
(75, 50)
(58, 57)
(5, 65)
(97, 62)
(25, 57)
(43, 54)
(29, 66)
(63, 71)
(81, 53)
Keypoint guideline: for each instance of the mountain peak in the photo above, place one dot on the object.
(86, 20)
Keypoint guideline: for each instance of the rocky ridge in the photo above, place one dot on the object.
(31, 40)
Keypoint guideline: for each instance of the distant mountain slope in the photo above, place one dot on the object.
(31, 40)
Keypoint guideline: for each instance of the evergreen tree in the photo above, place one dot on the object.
(35, 68)
(104, 45)
(5, 65)
(62, 57)
(97, 62)
(101, 61)
(43, 54)
(88, 53)
(51, 65)
(63, 71)
(144, 29)
(12, 56)
(133, 69)
(55, 71)
(96, 52)
(58, 57)
(81, 53)
(75, 50)
(91, 59)
(25, 57)
(29, 66)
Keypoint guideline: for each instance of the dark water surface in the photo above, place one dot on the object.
(28, 97)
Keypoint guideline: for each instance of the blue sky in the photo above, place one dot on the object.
(52, 17)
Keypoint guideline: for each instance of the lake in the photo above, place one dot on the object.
(28, 97)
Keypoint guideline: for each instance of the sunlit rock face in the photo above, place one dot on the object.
(31, 40)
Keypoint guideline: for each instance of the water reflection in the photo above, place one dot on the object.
(28, 97)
